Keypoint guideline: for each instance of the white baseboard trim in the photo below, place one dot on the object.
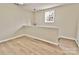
(70, 39)
(37, 38)
(67, 37)
(41, 39)
(11, 38)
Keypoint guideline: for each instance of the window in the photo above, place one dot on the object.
(49, 17)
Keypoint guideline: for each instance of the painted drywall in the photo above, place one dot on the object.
(12, 17)
(77, 33)
(49, 34)
(66, 17)
(78, 27)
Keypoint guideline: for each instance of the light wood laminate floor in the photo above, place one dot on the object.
(28, 46)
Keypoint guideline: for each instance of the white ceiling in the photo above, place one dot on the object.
(40, 6)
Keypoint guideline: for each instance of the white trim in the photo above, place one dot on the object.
(70, 39)
(59, 5)
(28, 36)
(67, 37)
(11, 38)
(41, 39)
(54, 27)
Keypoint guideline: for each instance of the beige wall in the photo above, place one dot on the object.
(78, 26)
(49, 34)
(66, 18)
(12, 17)
(78, 32)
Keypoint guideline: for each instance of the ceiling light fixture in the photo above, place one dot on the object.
(19, 3)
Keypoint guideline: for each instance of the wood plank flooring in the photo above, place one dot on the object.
(28, 46)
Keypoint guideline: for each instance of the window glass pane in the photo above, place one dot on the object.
(49, 16)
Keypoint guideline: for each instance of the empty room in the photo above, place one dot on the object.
(39, 29)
